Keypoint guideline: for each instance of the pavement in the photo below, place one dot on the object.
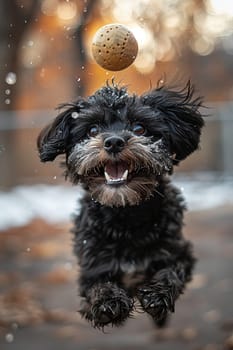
(39, 293)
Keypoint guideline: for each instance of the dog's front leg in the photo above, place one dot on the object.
(106, 303)
(158, 295)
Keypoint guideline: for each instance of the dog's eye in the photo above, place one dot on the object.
(93, 131)
(138, 129)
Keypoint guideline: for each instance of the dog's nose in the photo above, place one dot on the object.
(114, 144)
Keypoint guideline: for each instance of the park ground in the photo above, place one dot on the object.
(39, 296)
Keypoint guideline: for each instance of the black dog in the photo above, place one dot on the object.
(128, 236)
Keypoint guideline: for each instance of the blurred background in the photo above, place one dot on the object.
(45, 60)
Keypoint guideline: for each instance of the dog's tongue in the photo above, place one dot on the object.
(116, 172)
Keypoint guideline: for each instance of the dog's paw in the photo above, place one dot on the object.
(108, 304)
(156, 303)
(113, 311)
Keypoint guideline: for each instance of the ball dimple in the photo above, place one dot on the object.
(114, 47)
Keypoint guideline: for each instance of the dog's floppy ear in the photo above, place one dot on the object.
(53, 139)
(181, 118)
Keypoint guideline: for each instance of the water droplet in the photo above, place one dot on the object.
(55, 178)
(28, 250)
(42, 72)
(79, 79)
(74, 115)
(7, 91)
(83, 67)
(30, 43)
(14, 325)
(68, 265)
(11, 78)
(25, 21)
(85, 9)
(9, 337)
(7, 101)
(84, 242)
(2, 149)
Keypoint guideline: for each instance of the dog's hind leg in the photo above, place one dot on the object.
(106, 303)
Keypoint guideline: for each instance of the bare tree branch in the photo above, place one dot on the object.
(79, 36)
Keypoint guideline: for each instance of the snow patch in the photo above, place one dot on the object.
(51, 203)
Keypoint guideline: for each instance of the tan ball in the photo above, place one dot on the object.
(114, 47)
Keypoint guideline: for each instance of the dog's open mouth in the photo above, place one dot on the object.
(116, 173)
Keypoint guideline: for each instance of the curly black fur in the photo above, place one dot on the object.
(128, 235)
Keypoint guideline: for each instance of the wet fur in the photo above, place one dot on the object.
(128, 238)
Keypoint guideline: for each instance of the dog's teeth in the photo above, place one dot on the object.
(111, 180)
(107, 177)
(125, 175)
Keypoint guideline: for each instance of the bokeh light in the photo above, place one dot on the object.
(67, 11)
